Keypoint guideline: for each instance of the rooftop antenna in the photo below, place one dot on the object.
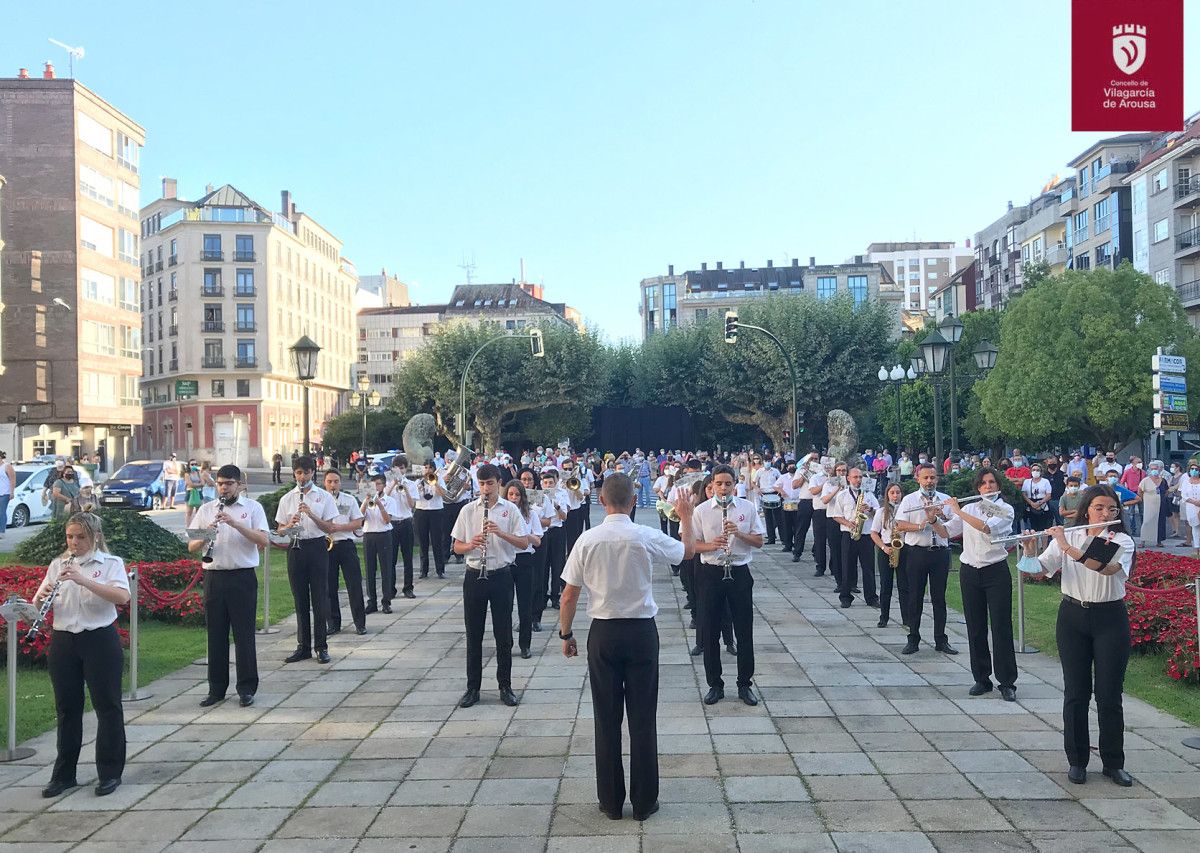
(73, 53)
(468, 267)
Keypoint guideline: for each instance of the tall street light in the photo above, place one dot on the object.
(899, 376)
(952, 329)
(365, 397)
(934, 350)
(732, 326)
(304, 357)
(537, 349)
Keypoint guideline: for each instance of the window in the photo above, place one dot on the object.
(1138, 197)
(213, 354)
(914, 276)
(128, 199)
(1161, 229)
(510, 324)
(212, 314)
(97, 237)
(98, 287)
(131, 342)
(669, 297)
(245, 318)
(245, 353)
(96, 186)
(1083, 261)
(212, 282)
(99, 338)
(129, 153)
(651, 298)
(94, 134)
(174, 252)
(243, 247)
(243, 387)
(858, 287)
(218, 388)
(1161, 180)
(701, 315)
(1163, 276)
(245, 283)
(826, 286)
(932, 276)
(127, 246)
(128, 294)
(212, 248)
(98, 389)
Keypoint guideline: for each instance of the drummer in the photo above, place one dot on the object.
(789, 514)
(766, 479)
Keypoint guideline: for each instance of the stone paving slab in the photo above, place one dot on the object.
(853, 748)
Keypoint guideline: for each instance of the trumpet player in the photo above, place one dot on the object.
(575, 484)
(853, 511)
(343, 557)
(428, 518)
(890, 543)
(802, 486)
(927, 525)
(404, 492)
(833, 486)
(231, 584)
(377, 510)
(986, 585)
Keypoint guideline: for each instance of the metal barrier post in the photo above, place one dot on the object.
(12, 753)
(1022, 647)
(1194, 742)
(134, 695)
(266, 564)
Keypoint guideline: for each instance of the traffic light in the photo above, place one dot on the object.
(731, 326)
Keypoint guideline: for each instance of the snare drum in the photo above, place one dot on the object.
(791, 506)
(771, 501)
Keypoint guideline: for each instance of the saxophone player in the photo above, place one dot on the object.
(853, 510)
(890, 543)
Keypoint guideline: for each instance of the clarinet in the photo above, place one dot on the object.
(727, 554)
(483, 573)
(47, 603)
(295, 532)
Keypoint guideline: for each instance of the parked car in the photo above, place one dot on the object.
(26, 505)
(137, 485)
(381, 462)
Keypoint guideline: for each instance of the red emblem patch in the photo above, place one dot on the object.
(95, 574)
(741, 518)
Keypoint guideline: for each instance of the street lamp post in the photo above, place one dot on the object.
(952, 329)
(934, 350)
(537, 348)
(365, 397)
(304, 357)
(732, 327)
(899, 376)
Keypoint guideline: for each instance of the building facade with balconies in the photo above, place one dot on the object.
(228, 286)
(1042, 236)
(696, 295)
(998, 258)
(920, 268)
(71, 334)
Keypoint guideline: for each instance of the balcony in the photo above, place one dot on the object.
(244, 257)
(213, 326)
(1056, 255)
(1188, 242)
(172, 295)
(1105, 223)
(158, 266)
(213, 361)
(173, 365)
(1111, 175)
(131, 402)
(246, 327)
(245, 292)
(148, 271)
(208, 255)
(172, 260)
(1189, 294)
(247, 362)
(1187, 193)
(1066, 202)
(173, 329)
(212, 292)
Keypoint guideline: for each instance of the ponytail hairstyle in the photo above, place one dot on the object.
(91, 524)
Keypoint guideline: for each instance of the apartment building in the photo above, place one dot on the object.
(380, 291)
(920, 268)
(956, 296)
(674, 299)
(71, 333)
(388, 335)
(228, 286)
(1165, 210)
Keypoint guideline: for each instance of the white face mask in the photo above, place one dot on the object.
(1072, 489)
(1138, 466)
(1037, 475)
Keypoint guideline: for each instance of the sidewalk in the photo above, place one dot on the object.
(853, 748)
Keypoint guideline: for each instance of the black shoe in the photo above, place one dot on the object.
(795, 558)
(56, 787)
(107, 786)
(611, 814)
(387, 607)
(526, 654)
(714, 695)
(408, 593)
(209, 701)
(423, 575)
(945, 648)
(770, 541)
(674, 572)
(910, 647)
(847, 602)
(882, 623)
(785, 549)
(508, 697)
(297, 656)
(1078, 775)
(692, 624)
(323, 656)
(873, 602)
(469, 698)
(818, 573)
(746, 694)
(731, 649)
(647, 813)
(537, 627)
(442, 575)
(333, 629)
(856, 589)
(458, 560)
(371, 608)
(696, 651)
(361, 630)
(980, 687)
(1008, 694)
(1119, 776)
(246, 699)
(554, 605)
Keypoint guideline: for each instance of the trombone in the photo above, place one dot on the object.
(1037, 534)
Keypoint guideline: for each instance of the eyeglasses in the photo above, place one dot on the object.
(1105, 508)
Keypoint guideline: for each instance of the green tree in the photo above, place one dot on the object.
(1075, 356)
(344, 432)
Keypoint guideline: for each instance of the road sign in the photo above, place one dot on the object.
(1170, 402)
(1170, 383)
(187, 388)
(1171, 421)
(1168, 363)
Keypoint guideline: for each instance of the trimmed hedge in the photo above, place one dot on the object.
(270, 502)
(134, 537)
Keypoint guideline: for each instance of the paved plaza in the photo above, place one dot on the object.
(853, 748)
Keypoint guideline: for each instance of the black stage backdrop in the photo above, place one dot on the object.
(618, 429)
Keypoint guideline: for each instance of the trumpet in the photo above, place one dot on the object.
(431, 478)
(573, 482)
(1037, 534)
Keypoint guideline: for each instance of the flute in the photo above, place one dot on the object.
(1036, 534)
(941, 504)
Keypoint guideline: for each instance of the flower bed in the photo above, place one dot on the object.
(1163, 618)
(167, 592)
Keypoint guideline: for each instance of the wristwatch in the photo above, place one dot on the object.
(567, 636)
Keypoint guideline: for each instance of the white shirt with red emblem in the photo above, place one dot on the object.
(232, 550)
(707, 522)
(504, 515)
(320, 503)
(77, 609)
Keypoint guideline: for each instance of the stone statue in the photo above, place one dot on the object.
(418, 439)
(843, 438)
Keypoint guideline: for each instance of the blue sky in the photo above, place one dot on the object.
(601, 143)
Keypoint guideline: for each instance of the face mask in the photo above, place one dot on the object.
(1037, 475)
(1138, 466)
(930, 492)
(1072, 489)
(1112, 481)
(1194, 472)
(923, 460)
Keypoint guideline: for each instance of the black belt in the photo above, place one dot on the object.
(491, 571)
(1089, 604)
(928, 547)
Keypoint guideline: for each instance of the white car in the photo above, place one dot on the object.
(26, 505)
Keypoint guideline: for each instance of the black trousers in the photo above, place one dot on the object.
(556, 556)
(377, 552)
(714, 595)
(540, 591)
(987, 594)
(587, 513)
(726, 626)
(687, 577)
(1093, 646)
(427, 524)
(857, 556)
(926, 566)
(803, 520)
(402, 548)
(889, 577)
(833, 542)
(663, 524)
(343, 561)
(772, 518)
(93, 658)
(231, 604)
(623, 673)
(495, 590)
(308, 574)
(818, 528)
(522, 575)
(787, 528)
(275, 475)
(673, 532)
(574, 526)
(449, 515)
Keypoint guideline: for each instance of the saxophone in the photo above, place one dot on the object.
(860, 516)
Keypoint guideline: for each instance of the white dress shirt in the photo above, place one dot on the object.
(424, 488)
(554, 498)
(398, 489)
(231, 550)
(926, 537)
(707, 522)
(533, 527)
(373, 516)
(785, 488)
(319, 501)
(813, 487)
(615, 562)
(347, 509)
(884, 529)
(766, 478)
(504, 515)
(574, 499)
(77, 609)
(1080, 582)
(844, 504)
(829, 488)
(978, 550)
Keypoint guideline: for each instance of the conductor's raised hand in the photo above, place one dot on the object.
(683, 506)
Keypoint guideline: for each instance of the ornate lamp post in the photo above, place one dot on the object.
(364, 397)
(899, 376)
(304, 357)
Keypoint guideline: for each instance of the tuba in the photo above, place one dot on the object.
(458, 473)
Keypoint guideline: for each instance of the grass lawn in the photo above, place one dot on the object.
(1146, 677)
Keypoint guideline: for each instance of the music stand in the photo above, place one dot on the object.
(13, 610)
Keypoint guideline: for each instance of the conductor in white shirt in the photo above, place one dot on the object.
(615, 560)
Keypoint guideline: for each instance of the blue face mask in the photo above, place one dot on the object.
(1029, 565)
(1194, 472)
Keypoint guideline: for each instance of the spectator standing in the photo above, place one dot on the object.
(1058, 484)
(8, 480)
(1153, 489)
(170, 481)
(1131, 478)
